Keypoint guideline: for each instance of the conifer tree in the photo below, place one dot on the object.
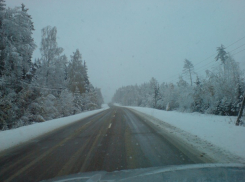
(2, 38)
(76, 73)
(188, 69)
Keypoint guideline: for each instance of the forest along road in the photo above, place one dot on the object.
(111, 140)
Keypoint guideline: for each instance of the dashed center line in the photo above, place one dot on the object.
(109, 126)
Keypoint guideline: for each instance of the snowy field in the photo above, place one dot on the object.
(10, 138)
(220, 131)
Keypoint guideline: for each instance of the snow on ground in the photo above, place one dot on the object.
(217, 130)
(10, 138)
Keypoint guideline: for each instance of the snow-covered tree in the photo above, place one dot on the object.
(99, 96)
(76, 73)
(222, 56)
(154, 91)
(85, 76)
(185, 95)
(17, 45)
(221, 92)
(2, 37)
(90, 99)
(35, 91)
(188, 69)
(51, 56)
(65, 104)
(16, 48)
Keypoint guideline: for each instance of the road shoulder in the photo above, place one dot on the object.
(20, 136)
(193, 146)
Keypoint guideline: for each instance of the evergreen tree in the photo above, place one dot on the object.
(45, 89)
(222, 56)
(155, 91)
(2, 37)
(77, 101)
(76, 73)
(85, 76)
(100, 99)
(18, 44)
(188, 69)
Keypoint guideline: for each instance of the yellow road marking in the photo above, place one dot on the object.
(48, 152)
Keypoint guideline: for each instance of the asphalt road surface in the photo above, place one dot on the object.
(114, 139)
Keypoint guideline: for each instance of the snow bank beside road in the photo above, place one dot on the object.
(10, 138)
(217, 130)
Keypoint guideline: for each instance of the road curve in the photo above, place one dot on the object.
(114, 139)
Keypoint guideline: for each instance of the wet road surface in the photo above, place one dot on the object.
(114, 139)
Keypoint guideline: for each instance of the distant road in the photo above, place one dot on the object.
(114, 139)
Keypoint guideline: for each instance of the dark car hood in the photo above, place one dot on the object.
(193, 172)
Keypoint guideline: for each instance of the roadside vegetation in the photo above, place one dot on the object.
(49, 87)
(219, 92)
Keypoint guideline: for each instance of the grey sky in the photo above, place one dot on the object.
(129, 41)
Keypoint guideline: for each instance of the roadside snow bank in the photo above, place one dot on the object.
(217, 130)
(10, 138)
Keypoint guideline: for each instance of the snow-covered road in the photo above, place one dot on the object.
(10, 138)
(206, 132)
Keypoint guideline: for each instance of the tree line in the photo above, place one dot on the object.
(49, 87)
(219, 92)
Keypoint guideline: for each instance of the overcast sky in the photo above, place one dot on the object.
(127, 42)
